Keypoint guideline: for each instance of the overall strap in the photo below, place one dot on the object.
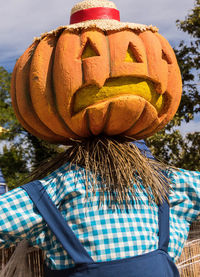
(163, 209)
(57, 223)
(163, 222)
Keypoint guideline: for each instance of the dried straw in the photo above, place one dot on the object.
(17, 265)
(189, 263)
(115, 167)
(87, 4)
(22, 261)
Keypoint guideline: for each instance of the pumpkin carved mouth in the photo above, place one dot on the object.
(115, 87)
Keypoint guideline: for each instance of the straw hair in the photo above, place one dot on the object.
(116, 168)
(101, 24)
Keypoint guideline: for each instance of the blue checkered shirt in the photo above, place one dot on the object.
(106, 234)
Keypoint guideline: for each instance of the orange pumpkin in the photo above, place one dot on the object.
(77, 84)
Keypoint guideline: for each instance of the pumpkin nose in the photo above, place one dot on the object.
(95, 59)
(92, 75)
(95, 72)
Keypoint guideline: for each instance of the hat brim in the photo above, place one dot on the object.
(102, 24)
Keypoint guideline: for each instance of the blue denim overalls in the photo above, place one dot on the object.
(153, 264)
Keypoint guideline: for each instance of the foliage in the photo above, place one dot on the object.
(13, 165)
(188, 55)
(7, 117)
(22, 151)
(169, 143)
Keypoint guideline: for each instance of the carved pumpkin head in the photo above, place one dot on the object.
(96, 77)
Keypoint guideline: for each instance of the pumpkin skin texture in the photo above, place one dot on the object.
(89, 82)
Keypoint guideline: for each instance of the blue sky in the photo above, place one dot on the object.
(22, 20)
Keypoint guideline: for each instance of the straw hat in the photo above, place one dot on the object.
(101, 14)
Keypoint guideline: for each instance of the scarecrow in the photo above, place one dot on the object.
(105, 206)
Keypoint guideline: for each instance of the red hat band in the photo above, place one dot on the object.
(94, 14)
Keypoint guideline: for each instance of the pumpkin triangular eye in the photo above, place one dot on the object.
(130, 57)
(89, 51)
